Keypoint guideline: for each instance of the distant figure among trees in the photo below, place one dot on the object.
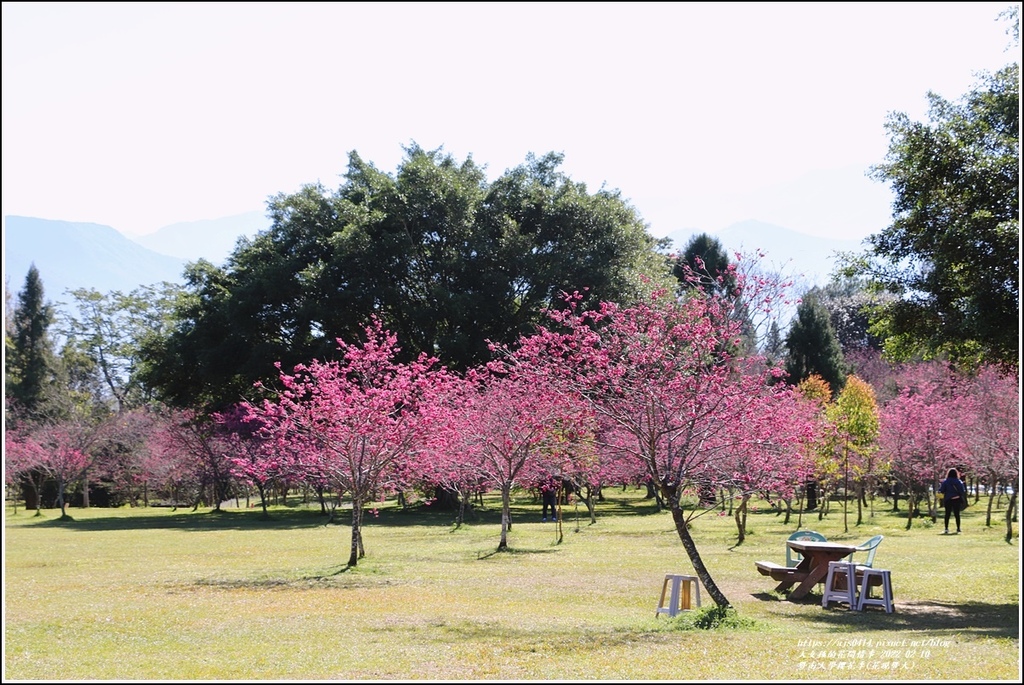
(549, 498)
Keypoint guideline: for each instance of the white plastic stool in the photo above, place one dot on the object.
(841, 570)
(865, 594)
(679, 598)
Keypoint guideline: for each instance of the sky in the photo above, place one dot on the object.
(142, 115)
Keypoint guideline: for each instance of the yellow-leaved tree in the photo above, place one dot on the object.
(854, 442)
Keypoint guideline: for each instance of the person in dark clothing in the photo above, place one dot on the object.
(953, 491)
(548, 499)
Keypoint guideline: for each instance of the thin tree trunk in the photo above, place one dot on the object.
(558, 520)
(460, 515)
(911, 504)
(506, 505)
(357, 542)
(1010, 508)
(799, 509)
(60, 498)
(740, 517)
(860, 504)
(679, 518)
(263, 498)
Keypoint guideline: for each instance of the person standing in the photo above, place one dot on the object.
(953, 491)
(549, 497)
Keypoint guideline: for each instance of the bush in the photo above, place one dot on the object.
(710, 618)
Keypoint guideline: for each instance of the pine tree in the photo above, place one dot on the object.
(29, 365)
(813, 346)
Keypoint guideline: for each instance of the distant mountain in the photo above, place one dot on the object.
(70, 255)
(808, 260)
(211, 239)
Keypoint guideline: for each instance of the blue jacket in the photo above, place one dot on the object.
(950, 488)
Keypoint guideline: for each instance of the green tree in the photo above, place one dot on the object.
(812, 347)
(705, 265)
(854, 444)
(705, 258)
(774, 346)
(29, 365)
(447, 261)
(104, 338)
(951, 254)
(849, 301)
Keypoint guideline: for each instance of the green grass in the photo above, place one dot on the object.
(148, 594)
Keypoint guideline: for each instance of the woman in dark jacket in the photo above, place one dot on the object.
(953, 491)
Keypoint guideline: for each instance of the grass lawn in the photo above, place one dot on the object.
(154, 594)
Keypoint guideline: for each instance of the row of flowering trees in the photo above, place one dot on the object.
(941, 419)
(663, 390)
(936, 418)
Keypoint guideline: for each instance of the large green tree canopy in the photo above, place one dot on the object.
(951, 254)
(444, 259)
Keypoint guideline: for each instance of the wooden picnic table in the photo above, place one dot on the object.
(811, 570)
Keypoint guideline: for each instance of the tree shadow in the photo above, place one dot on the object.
(514, 552)
(203, 519)
(976, 618)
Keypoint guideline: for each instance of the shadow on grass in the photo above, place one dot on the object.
(203, 519)
(312, 581)
(976, 618)
(284, 518)
(513, 552)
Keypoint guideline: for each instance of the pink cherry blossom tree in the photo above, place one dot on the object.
(122, 451)
(22, 456)
(66, 446)
(990, 430)
(918, 433)
(513, 431)
(666, 379)
(190, 443)
(446, 468)
(168, 472)
(354, 420)
(254, 455)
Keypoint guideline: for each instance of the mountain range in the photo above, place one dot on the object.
(71, 255)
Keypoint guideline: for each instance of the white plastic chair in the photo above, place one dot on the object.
(870, 546)
(793, 558)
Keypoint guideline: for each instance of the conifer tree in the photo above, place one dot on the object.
(29, 365)
(813, 347)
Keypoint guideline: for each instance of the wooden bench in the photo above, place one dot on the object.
(777, 572)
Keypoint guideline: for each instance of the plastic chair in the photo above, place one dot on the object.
(870, 546)
(793, 558)
(866, 599)
(680, 597)
(847, 572)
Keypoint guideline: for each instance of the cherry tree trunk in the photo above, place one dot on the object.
(698, 564)
(911, 508)
(740, 516)
(1010, 509)
(356, 550)
(506, 515)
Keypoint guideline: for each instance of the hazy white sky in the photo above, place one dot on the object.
(140, 115)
